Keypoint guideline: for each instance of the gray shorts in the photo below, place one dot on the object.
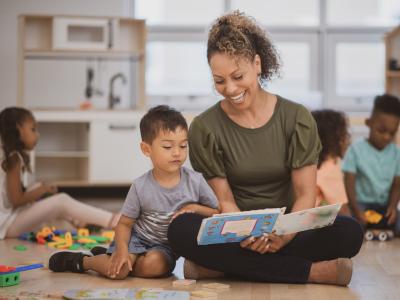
(139, 246)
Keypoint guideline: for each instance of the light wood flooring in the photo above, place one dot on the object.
(376, 276)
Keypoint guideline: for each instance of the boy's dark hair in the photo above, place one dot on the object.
(332, 130)
(387, 104)
(161, 117)
(10, 119)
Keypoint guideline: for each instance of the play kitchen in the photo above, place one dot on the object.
(72, 62)
(83, 77)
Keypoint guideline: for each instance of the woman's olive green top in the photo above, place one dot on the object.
(256, 162)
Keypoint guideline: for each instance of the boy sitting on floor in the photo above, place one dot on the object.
(141, 247)
(372, 165)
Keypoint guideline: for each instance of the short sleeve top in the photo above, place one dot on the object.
(256, 162)
(375, 170)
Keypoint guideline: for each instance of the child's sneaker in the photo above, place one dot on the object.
(67, 261)
(98, 250)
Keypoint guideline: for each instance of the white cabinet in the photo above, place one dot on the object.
(115, 155)
(78, 148)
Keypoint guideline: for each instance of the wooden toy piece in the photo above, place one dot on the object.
(183, 283)
(202, 294)
(11, 276)
(216, 287)
(379, 234)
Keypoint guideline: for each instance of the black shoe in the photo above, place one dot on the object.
(98, 250)
(67, 261)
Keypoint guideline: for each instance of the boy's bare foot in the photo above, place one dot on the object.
(194, 271)
(337, 271)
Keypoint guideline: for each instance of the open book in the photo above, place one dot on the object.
(235, 227)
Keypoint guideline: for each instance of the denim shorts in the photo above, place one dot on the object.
(139, 246)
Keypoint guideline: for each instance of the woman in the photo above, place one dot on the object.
(258, 150)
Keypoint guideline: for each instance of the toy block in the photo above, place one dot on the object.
(83, 232)
(11, 276)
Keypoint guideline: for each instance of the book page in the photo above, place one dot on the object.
(240, 228)
(306, 219)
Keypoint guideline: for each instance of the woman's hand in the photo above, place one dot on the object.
(269, 242)
(118, 259)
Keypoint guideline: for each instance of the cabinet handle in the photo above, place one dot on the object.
(122, 127)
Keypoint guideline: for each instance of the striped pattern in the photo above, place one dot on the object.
(152, 227)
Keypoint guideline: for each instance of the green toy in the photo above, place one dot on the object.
(11, 276)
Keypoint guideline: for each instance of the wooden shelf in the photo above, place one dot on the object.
(393, 74)
(392, 49)
(62, 154)
(83, 54)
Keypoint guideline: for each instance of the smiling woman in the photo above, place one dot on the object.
(258, 150)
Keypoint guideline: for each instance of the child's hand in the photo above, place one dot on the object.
(359, 214)
(391, 215)
(118, 259)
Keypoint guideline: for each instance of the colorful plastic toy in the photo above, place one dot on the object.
(11, 276)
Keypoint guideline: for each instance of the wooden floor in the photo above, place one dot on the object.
(376, 276)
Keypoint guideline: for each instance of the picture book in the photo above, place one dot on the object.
(307, 219)
(122, 294)
(235, 227)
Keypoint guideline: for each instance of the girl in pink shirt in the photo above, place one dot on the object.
(333, 132)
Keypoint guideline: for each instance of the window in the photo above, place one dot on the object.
(178, 12)
(356, 70)
(281, 12)
(363, 12)
(332, 50)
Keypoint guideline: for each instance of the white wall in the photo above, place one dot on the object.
(10, 9)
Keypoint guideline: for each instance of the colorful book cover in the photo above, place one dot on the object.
(235, 227)
(307, 219)
(122, 294)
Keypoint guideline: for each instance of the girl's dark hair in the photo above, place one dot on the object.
(161, 117)
(239, 35)
(10, 119)
(332, 130)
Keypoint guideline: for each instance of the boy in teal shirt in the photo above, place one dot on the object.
(372, 166)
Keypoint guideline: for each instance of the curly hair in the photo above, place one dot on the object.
(10, 119)
(239, 35)
(333, 132)
(387, 104)
(161, 117)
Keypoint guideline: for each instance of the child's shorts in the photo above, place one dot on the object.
(139, 246)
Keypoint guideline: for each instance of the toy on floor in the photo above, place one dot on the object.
(122, 294)
(11, 275)
(61, 239)
(376, 230)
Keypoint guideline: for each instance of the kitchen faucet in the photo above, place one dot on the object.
(112, 99)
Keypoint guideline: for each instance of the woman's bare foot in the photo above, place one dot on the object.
(194, 271)
(337, 271)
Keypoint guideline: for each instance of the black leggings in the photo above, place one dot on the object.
(290, 265)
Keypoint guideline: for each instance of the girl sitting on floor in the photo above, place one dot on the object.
(20, 208)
